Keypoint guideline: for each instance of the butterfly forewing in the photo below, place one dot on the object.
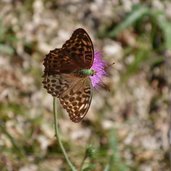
(80, 48)
(57, 61)
(77, 53)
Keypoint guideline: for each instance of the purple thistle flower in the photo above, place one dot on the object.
(99, 67)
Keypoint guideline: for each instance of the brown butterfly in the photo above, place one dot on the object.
(67, 72)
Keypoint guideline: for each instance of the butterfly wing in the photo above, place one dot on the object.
(74, 93)
(57, 61)
(77, 98)
(80, 48)
(55, 84)
(53, 81)
(77, 53)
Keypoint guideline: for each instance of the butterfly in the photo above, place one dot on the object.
(67, 74)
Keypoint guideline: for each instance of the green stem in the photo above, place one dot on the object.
(58, 136)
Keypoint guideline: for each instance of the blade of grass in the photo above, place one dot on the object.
(160, 19)
(137, 13)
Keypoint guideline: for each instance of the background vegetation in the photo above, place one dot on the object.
(126, 128)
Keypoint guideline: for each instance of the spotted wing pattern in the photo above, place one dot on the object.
(58, 61)
(80, 48)
(77, 53)
(77, 99)
(55, 84)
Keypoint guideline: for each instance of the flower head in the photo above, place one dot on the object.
(99, 67)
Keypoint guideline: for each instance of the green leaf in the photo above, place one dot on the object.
(164, 25)
(137, 13)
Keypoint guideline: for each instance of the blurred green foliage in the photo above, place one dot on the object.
(150, 45)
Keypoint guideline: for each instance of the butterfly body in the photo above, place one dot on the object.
(67, 71)
(85, 72)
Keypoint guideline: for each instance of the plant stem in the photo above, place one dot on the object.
(58, 136)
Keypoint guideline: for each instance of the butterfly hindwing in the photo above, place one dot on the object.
(55, 84)
(77, 99)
